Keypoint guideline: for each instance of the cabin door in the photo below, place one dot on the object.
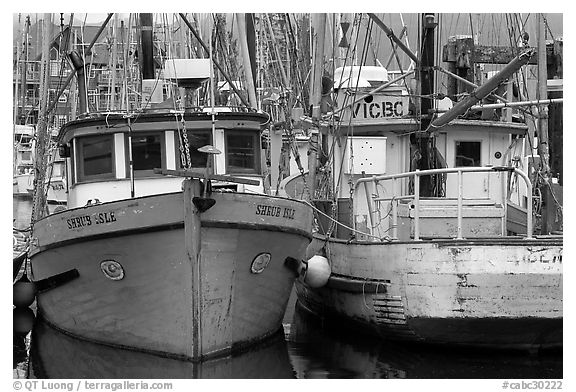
(466, 151)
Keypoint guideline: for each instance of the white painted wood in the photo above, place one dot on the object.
(119, 155)
(219, 159)
(170, 150)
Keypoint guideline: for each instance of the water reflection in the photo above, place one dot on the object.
(317, 351)
(56, 355)
(309, 350)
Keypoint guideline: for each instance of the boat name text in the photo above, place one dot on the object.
(88, 220)
(275, 211)
(378, 109)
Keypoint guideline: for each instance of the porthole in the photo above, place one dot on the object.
(260, 262)
(112, 269)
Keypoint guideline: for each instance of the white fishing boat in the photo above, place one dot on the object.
(23, 163)
(166, 245)
(455, 263)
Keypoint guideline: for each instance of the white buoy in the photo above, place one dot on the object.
(316, 271)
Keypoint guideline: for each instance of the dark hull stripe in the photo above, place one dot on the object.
(174, 226)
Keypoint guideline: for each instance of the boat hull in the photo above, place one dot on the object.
(490, 293)
(151, 308)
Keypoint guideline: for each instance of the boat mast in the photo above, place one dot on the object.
(316, 94)
(74, 70)
(206, 49)
(42, 132)
(16, 110)
(114, 60)
(241, 21)
(22, 115)
(422, 141)
(543, 145)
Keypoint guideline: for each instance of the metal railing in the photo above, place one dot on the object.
(416, 195)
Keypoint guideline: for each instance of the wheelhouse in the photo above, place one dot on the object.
(112, 156)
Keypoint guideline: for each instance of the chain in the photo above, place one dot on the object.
(293, 147)
(184, 149)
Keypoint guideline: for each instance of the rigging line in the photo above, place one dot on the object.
(228, 56)
(332, 149)
(548, 27)
(274, 60)
(86, 74)
(294, 55)
(525, 21)
(347, 97)
(63, 46)
(125, 69)
(439, 40)
(452, 26)
(331, 152)
(398, 62)
(362, 61)
(388, 239)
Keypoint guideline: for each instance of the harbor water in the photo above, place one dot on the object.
(307, 348)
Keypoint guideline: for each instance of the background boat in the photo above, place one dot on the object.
(412, 206)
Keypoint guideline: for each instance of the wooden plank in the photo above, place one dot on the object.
(200, 175)
(192, 241)
(464, 53)
(498, 54)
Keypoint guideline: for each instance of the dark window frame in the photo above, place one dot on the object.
(79, 158)
(257, 169)
(193, 151)
(456, 145)
(145, 172)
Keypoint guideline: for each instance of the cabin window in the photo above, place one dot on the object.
(147, 153)
(196, 139)
(468, 153)
(242, 152)
(95, 157)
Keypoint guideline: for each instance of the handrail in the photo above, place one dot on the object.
(460, 171)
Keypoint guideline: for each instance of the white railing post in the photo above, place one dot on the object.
(460, 191)
(370, 207)
(460, 172)
(394, 211)
(417, 206)
(505, 202)
(529, 223)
